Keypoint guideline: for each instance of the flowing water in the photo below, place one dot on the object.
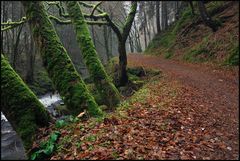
(11, 144)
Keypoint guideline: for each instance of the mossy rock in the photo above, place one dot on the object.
(153, 72)
(62, 110)
(103, 107)
(132, 77)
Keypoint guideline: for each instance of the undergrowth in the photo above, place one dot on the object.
(207, 49)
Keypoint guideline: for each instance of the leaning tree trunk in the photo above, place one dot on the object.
(57, 62)
(206, 18)
(102, 81)
(21, 107)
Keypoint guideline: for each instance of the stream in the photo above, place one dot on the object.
(11, 144)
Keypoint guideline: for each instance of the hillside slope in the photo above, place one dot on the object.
(191, 40)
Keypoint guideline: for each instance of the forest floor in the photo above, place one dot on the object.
(189, 112)
(208, 105)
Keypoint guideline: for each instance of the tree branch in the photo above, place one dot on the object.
(95, 7)
(129, 21)
(66, 22)
(23, 19)
(97, 23)
(59, 21)
(51, 3)
(95, 17)
(90, 6)
(61, 10)
(111, 23)
(11, 25)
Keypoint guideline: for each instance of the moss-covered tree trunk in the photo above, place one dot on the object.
(102, 81)
(121, 35)
(21, 107)
(57, 62)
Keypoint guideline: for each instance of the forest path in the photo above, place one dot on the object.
(212, 93)
(189, 111)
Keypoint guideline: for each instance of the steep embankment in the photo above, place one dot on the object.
(191, 40)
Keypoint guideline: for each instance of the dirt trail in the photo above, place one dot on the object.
(213, 94)
(191, 112)
(222, 84)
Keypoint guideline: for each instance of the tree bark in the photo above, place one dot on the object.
(111, 42)
(21, 107)
(93, 35)
(146, 24)
(15, 47)
(105, 35)
(158, 17)
(165, 15)
(192, 8)
(3, 18)
(102, 81)
(206, 18)
(122, 47)
(131, 43)
(30, 54)
(122, 63)
(57, 62)
(137, 38)
(122, 37)
(145, 36)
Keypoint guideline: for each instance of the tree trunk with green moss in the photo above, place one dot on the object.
(57, 62)
(122, 35)
(102, 81)
(21, 107)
